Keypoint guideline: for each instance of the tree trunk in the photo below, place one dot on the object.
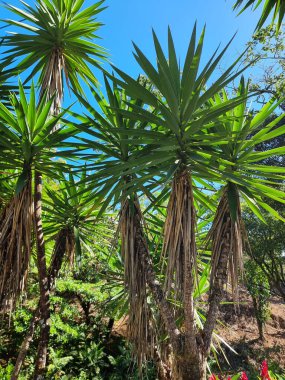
(258, 321)
(164, 306)
(219, 282)
(163, 370)
(59, 251)
(188, 368)
(189, 362)
(26, 345)
(42, 353)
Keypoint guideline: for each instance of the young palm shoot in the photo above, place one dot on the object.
(246, 178)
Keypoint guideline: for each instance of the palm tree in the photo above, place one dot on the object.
(56, 43)
(272, 6)
(70, 212)
(246, 178)
(183, 115)
(116, 138)
(28, 147)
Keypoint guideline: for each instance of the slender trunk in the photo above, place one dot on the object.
(59, 251)
(159, 296)
(188, 359)
(26, 345)
(227, 251)
(258, 321)
(217, 290)
(42, 353)
(188, 247)
(64, 239)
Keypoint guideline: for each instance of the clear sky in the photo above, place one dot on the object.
(132, 20)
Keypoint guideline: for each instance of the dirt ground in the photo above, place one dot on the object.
(241, 332)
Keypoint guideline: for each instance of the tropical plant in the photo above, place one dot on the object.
(56, 44)
(259, 289)
(70, 212)
(269, 6)
(28, 147)
(190, 121)
(174, 146)
(55, 39)
(247, 178)
(112, 134)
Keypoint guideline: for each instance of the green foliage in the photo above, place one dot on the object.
(267, 246)
(258, 286)
(26, 138)
(274, 7)
(81, 346)
(60, 28)
(6, 372)
(134, 139)
(265, 53)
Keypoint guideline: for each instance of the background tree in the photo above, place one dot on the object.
(267, 247)
(265, 53)
(258, 286)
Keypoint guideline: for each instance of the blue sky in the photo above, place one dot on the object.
(129, 20)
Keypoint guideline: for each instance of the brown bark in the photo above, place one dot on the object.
(163, 370)
(189, 360)
(156, 290)
(189, 369)
(217, 289)
(55, 266)
(258, 321)
(26, 345)
(42, 352)
(189, 247)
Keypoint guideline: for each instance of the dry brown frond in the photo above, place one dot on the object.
(15, 246)
(226, 237)
(64, 249)
(132, 236)
(53, 79)
(179, 247)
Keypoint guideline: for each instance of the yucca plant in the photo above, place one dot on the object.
(26, 146)
(246, 179)
(275, 7)
(70, 220)
(183, 116)
(29, 147)
(55, 39)
(56, 43)
(115, 138)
